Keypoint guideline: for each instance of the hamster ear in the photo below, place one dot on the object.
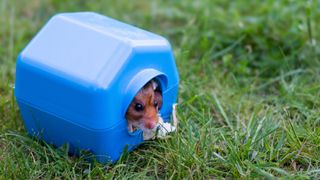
(154, 84)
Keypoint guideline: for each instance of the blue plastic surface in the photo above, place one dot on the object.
(78, 75)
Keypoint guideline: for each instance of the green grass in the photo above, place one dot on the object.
(249, 95)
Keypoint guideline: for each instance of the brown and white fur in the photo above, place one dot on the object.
(144, 108)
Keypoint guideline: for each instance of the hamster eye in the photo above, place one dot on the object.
(138, 107)
(155, 103)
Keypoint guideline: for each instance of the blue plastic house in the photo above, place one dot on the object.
(78, 75)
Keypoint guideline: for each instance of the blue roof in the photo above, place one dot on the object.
(85, 47)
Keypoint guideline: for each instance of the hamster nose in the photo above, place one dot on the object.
(150, 125)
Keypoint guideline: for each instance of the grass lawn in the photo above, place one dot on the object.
(249, 95)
